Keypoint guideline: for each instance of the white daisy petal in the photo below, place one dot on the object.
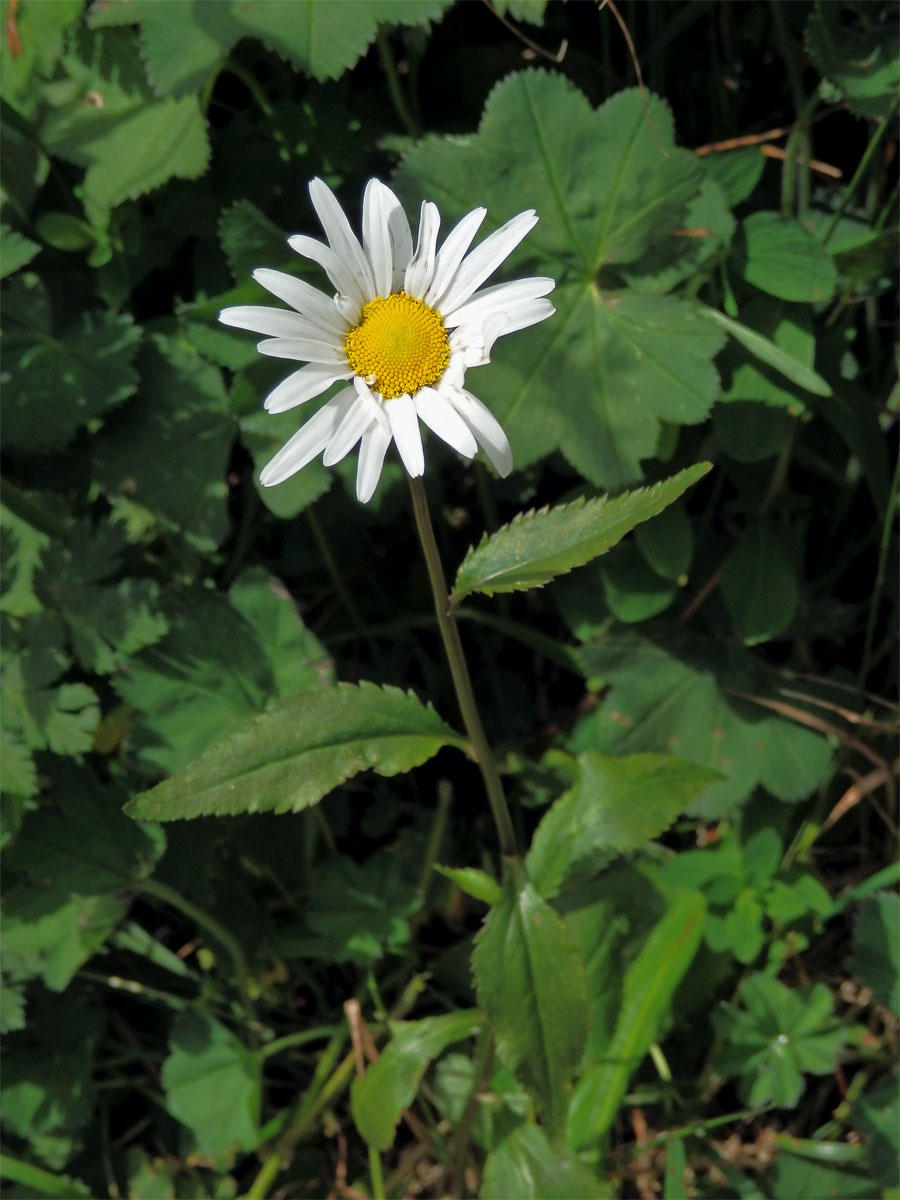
(401, 412)
(371, 459)
(276, 322)
(378, 202)
(341, 237)
(341, 274)
(442, 418)
(476, 340)
(303, 297)
(303, 349)
(484, 260)
(500, 297)
(303, 385)
(401, 241)
(485, 426)
(308, 441)
(452, 252)
(348, 433)
(421, 265)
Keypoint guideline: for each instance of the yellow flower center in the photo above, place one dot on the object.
(402, 342)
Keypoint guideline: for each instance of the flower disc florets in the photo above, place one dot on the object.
(399, 346)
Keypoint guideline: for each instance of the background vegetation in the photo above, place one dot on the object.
(698, 994)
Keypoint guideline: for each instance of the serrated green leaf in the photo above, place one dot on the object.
(473, 882)
(783, 359)
(378, 1098)
(15, 250)
(539, 545)
(524, 1165)
(531, 984)
(18, 773)
(297, 752)
(609, 188)
(41, 29)
(759, 586)
(617, 805)
(647, 991)
(876, 957)
(61, 380)
(168, 450)
(212, 1084)
(779, 256)
(689, 696)
(361, 912)
(182, 49)
(60, 718)
(860, 57)
(249, 239)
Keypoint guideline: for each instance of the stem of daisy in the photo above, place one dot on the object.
(460, 672)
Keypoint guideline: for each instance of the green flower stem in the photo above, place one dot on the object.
(460, 672)
(851, 187)
(162, 891)
(392, 78)
(376, 1174)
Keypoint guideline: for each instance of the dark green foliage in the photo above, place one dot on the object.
(679, 613)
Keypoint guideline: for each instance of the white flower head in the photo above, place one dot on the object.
(404, 325)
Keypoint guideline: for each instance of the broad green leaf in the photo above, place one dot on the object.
(667, 542)
(212, 1084)
(525, 1165)
(378, 1098)
(49, 715)
(759, 586)
(676, 1165)
(104, 621)
(744, 927)
(876, 957)
(182, 47)
(41, 28)
(264, 434)
(249, 239)
(609, 188)
(737, 171)
(634, 591)
(63, 231)
(778, 1035)
(531, 11)
(647, 991)
(61, 379)
(616, 806)
(69, 873)
(48, 1086)
(168, 450)
(751, 432)
(876, 1114)
(360, 912)
(221, 663)
(473, 882)
(539, 545)
(786, 354)
(858, 56)
(15, 250)
(531, 984)
(299, 751)
(779, 256)
(688, 695)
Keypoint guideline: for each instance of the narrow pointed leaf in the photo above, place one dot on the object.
(531, 984)
(768, 352)
(294, 754)
(539, 545)
(646, 992)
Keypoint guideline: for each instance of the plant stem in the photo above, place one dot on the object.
(376, 1173)
(392, 77)
(460, 672)
(162, 891)
(456, 1171)
(860, 170)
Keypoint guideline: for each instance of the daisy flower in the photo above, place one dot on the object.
(401, 331)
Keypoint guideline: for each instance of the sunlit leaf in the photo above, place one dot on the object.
(539, 545)
(779, 256)
(15, 250)
(299, 751)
